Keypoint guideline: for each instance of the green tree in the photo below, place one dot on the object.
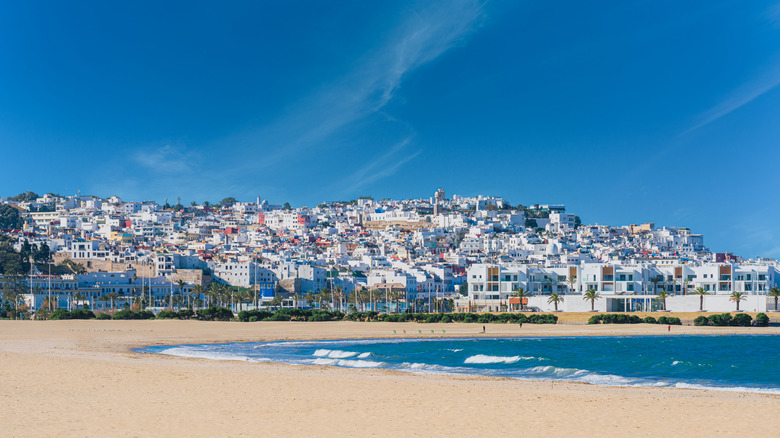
(655, 280)
(521, 293)
(24, 197)
(42, 254)
(554, 299)
(591, 295)
(572, 280)
(10, 219)
(663, 296)
(737, 297)
(287, 206)
(228, 202)
(701, 292)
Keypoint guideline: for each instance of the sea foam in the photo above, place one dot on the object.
(486, 359)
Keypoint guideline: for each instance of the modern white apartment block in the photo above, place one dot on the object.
(623, 287)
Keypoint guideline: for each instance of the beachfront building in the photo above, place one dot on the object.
(629, 287)
(96, 291)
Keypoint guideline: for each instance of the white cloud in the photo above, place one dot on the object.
(315, 123)
(383, 166)
(739, 98)
(165, 159)
(422, 37)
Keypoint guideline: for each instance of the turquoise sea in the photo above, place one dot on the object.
(733, 363)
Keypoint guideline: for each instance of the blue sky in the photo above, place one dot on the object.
(626, 111)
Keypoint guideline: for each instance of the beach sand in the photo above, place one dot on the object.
(81, 378)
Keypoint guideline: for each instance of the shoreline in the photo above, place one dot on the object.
(475, 375)
(81, 378)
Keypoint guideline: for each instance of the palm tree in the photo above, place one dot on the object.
(338, 294)
(663, 296)
(104, 299)
(737, 297)
(775, 293)
(322, 297)
(78, 296)
(181, 284)
(591, 295)
(701, 292)
(655, 280)
(555, 298)
(146, 298)
(196, 292)
(572, 280)
(552, 282)
(310, 297)
(686, 285)
(522, 294)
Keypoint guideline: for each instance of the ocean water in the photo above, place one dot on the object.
(731, 363)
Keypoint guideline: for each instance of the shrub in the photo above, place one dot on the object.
(649, 320)
(259, 315)
(81, 314)
(252, 319)
(168, 314)
(762, 320)
(129, 314)
(103, 316)
(278, 317)
(595, 319)
(545, 318)
(701, 320)
(60, 314)
(673, 320)
(469, 317)
(446, 319)
(432, 319)
(186, 313)
(215, 314)
(125, 314)
(741, 320)
(721, 319)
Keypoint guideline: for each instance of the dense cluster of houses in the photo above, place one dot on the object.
(473, 253)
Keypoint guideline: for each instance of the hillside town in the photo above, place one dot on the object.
(441, 254)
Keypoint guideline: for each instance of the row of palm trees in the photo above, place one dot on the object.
(360, 300)
(592, 295)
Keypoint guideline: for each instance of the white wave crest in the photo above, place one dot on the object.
(211, 354)
(484, 358)
(334, 354)
(363, 355)
(348, 363)
(727, 388)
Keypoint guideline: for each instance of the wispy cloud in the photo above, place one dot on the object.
(331, 115)
(382, 166)
(168, 158)
(772, 14)
(422, 37)
(739, 98)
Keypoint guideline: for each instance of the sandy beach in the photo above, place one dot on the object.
(82, 378)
